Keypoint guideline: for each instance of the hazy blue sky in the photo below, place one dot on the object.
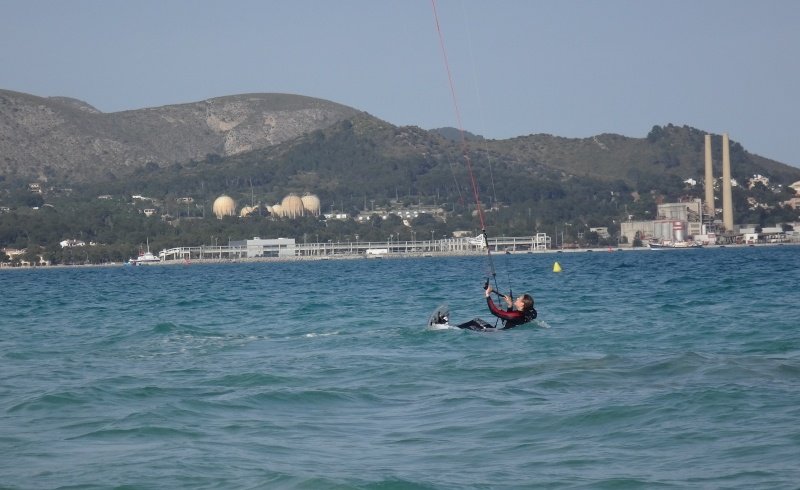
(570, 68)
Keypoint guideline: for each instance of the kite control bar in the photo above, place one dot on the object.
(499, 294)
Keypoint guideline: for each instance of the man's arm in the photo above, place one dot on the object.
(502, 314)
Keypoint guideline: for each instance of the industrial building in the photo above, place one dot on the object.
(684, 221)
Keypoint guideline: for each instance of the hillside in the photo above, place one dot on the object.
(65, 139)
(353, 160)
(666, 151)
(364, 159)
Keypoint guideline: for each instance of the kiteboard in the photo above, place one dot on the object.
(439, 318)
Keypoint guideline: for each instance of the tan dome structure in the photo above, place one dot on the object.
(246, 211)
(277, 210)
(292, 206)
(224, 206)
(311, 204)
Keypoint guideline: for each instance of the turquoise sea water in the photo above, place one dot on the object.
(651, 369)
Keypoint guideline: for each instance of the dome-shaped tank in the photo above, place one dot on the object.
(277, 211)
(292, 206)
(224, 206)
(311, 204)
(246, 211)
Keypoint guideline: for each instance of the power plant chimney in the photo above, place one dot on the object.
(727, 200)
(709, 180)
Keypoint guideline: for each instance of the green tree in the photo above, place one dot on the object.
(33, 254)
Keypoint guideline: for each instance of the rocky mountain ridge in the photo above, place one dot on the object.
(67, 139)
(60, 139)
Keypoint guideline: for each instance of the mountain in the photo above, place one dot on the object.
(64, 139)
(297, 143)
(60, 138)
(668, 150)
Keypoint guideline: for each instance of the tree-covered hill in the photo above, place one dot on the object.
(667, 151)
(364, 158)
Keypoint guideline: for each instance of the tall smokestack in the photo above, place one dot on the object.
(727, 200)
(709, 179)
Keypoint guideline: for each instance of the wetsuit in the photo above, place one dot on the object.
(511, 318)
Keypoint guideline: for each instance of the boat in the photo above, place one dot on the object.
(145, 257)
(662, 244)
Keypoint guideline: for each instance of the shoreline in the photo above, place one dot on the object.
(388, 256)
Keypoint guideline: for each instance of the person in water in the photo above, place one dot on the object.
(519, 311)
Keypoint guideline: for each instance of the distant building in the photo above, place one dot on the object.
(684, 211)
(630, 229)
(40, 261)
(754, 204)
(676, 221)
(405, 214)
(602, 231)
(149, 212)
(757, 179)
(70, 243)
(273, 247)
(793, 202)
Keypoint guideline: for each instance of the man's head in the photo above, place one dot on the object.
(524, 302)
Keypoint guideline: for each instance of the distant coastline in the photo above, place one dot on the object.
(394, 256)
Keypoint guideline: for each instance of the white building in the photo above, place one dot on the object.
(72, 243)
(263, 247)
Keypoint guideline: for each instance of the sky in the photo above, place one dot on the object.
(571, 68)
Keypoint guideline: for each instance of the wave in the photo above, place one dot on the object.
(157, 433)
(248, 380)
(52, 402)
(319, 399)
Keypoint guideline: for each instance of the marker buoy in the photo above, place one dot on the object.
(556, 267)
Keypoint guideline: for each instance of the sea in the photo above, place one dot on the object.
(645, 369)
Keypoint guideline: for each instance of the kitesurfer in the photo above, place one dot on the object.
(519, 311)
